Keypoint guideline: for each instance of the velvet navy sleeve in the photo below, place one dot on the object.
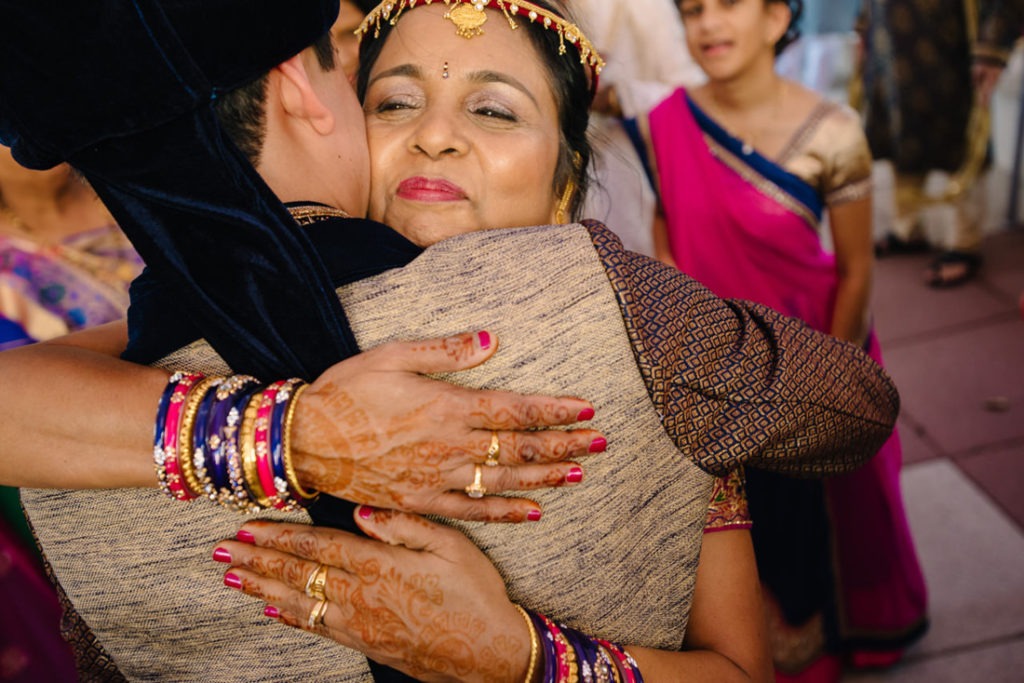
(351, 249)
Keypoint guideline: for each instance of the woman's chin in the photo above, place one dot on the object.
(424, 231)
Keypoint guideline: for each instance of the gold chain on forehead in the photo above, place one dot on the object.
(469, 17)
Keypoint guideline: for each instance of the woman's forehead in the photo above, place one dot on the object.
(428, 32)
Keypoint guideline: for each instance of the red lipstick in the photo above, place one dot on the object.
(430, 190)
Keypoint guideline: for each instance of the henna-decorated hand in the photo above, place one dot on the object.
(373, 430)
(426, 601)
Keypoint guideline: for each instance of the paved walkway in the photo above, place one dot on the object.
(958, 359)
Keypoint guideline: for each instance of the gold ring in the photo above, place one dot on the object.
(477, 489)
(317, 582)
(493, 451)
(316, 616)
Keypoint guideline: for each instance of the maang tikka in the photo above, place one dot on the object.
(469, 17)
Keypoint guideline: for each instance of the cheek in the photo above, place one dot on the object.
(522, 184)
(380, 155)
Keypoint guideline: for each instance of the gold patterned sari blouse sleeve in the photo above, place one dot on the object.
(737, 383)
(831, 154)
(728, 509)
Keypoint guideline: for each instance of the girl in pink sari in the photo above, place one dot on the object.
(748, 166)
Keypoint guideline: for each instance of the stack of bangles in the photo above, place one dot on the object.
(573, 657)
(227, 439)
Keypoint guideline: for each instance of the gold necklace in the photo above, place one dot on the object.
(311, 213)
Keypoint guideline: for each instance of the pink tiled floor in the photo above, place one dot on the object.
(957, 357)
(999, 472)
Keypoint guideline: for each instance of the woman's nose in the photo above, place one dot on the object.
(438, 134)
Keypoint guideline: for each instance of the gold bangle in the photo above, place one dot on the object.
(286, 448)
(247, 446)
(186, 455)
(534, 644)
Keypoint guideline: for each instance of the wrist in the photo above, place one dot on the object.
(228, 439)
(533, 668)
(306, 447)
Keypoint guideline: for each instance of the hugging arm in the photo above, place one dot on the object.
(372, 429)
(734, 377)
(79, 417)
(427, 601)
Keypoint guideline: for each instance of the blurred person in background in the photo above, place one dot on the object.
(749, 167)
(64, 266)
(922, 58)
(646, 55)
(343, 34)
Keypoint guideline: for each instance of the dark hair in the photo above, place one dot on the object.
(365, 6)
(796, 9)
(571, 86)
(243, 113)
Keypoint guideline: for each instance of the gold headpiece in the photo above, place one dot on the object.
(469, 17)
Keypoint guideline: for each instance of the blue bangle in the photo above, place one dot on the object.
(284, 397)
(200, 447)
(216, 441)
(547, 646)
(161, 410)
(243, 496)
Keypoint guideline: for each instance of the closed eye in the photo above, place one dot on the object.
(496, 113)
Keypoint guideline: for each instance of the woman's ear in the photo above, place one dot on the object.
(779, 15)
(298, 96)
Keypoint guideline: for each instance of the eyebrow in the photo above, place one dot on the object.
(486, 76)
(497, 77)
(403, 70)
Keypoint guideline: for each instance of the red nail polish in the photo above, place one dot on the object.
(245, 537)
(575, 475)
(272, 612)
(533, 515)
(585, 414)
(598, 445)
(232, 581)
(484, 338)
(222, 555)
(365, 511)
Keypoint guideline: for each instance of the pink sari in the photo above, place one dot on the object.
(31, 648)
(748, 229)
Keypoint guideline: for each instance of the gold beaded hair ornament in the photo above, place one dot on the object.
(469, 17)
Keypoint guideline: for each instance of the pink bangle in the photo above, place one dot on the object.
(261, 437)
(561, 650)
(172, 470)
(626, 664)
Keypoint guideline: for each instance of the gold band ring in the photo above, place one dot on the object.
(493, 451)
(316, 616)
(316, 582)
(477, 488)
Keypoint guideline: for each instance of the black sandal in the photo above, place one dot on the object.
(964, 265)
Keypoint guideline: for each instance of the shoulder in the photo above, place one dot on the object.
(667, 104)
(842, 118)
(833, 135)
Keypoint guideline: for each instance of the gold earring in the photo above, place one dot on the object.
(561, 214)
